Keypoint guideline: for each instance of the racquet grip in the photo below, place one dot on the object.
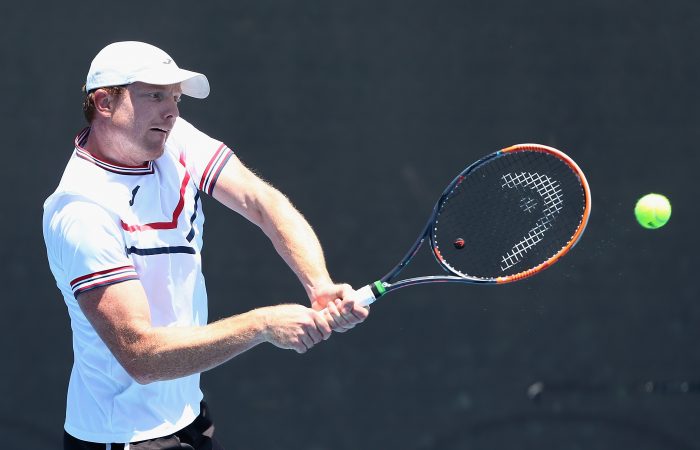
(363, 297)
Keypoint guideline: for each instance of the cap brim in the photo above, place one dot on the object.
(193, 84)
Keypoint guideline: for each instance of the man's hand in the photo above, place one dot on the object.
(294, 327)
(338, 300)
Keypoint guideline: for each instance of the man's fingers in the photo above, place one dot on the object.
(306, 342)
(297, 327)
(340, 319)
(353, 313)
(346, 307)
(360, 312)
(314, 333)
(322, 324)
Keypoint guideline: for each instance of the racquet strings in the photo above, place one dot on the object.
(509, 215)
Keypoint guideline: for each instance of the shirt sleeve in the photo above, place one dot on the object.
(89, 247)
(203, 156)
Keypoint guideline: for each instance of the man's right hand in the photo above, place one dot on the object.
(294, 327)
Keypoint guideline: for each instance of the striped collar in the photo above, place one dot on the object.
(80, 152)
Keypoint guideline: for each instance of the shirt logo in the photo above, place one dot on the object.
(133, 195)
(167, 61)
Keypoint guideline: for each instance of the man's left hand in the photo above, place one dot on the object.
(337, 304)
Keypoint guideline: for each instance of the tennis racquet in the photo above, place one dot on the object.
(504, 218)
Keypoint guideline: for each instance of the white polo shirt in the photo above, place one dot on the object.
(106, 224)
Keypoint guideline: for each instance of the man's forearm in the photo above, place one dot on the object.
(163, 353)
(291, 235)
(296, 242)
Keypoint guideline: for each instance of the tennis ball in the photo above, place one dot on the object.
(652, 211)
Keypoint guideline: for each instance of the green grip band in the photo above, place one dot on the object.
(379, 287)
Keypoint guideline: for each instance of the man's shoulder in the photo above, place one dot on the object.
(83, 181)
(70, 214)
(185, 135)
(182, 128)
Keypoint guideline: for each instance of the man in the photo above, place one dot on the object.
(123, 232)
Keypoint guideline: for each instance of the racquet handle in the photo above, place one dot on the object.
(363, 297)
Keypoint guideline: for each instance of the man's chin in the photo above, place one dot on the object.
(158, 153)
(155, 150)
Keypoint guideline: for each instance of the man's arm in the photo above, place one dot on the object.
(121, 316)
(242, 191)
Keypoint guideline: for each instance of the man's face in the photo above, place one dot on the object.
(144, 117)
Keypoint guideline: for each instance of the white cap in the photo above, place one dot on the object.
(126, 62)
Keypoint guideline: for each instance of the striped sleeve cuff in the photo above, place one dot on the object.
(213, 170)
(103, 278)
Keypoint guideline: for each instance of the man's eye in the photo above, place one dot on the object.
(157, 95)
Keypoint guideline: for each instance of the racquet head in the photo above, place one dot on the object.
(510, 214)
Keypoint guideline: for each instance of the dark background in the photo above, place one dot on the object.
(361, 111)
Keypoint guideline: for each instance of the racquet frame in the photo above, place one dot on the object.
(384, 285)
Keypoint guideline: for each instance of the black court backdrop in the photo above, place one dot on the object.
(361, 112)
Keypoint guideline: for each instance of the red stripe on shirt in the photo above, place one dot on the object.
(164, 225)
(102, 272)
(208, 168)
(215, 176)
(106, 282)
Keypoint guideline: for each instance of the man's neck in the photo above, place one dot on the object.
(107, 147)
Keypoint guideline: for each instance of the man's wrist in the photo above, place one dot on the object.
(260, 323)
(319, 288)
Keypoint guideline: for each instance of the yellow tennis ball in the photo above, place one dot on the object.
(652, 211)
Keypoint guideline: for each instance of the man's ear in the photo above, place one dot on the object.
(104, 102)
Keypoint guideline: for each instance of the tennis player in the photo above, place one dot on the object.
(123, 233)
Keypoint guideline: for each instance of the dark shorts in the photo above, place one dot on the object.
(198, 435)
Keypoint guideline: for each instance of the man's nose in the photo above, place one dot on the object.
(172, 111)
